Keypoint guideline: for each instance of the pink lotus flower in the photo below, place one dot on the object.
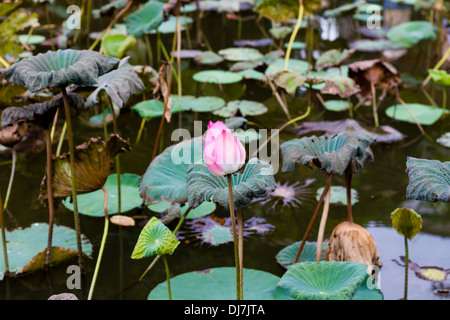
(223, 152)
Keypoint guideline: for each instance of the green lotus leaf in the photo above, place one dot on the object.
(368, 45)
(337, 105)
(154, 239)
(408, 34)
(338, 195)
(215, 284)
(406, 222)
(426, 115)
(440, 77)
(116, 45)
(294, 65)
(208, 58)
(333, 58)
(341, 9)
(206, 208)
(296, 45)
(251, 74)
(32, 39)
(26, 247)
(149, 109)
(40, 114)
(280, 32)
(91, 204)
(147, 18)
(204, 104)
(368, 290)
(255, 181)
(59, 68)
(240, 54)
(119, 84)
(246, 136)
(429, 180)
(323, 280)
(286, 256)
(331, 154)
(246, 108)
(289, 81)
(170, 25)
(217, 76)
(93, 163)
(165, 178)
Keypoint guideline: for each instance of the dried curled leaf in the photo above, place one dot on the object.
(13, 134)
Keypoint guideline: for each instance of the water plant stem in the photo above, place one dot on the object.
(166, 266)
(278, 97)
(313, 218)
(5, 251)
(141, 128)
(412, 115)
(406, 268)
(348, 180)
(117, 158)
(61, 139)
(374, 104)
(102, 245)
(241, 250)
(235, 238)
(11, 177)
(51, 206)
(323, 222)
(73, 177)
(294, 34)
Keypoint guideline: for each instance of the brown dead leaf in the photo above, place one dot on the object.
(11, 135)
(162, 90)
(121, 220)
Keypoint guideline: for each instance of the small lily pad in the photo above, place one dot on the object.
(202, 210)
(116, 45)
(337, 105)
(240, 54)
(204, 104)
(33, 39)
(286, 256)
(408, 34)
(91, 204)
(338, 195)
(440, 77)
(149, 109)
(425, 114)
(217, 76)
(294, 65)
(246, 107)
(208, 58)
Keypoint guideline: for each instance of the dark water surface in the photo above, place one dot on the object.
(381, 187)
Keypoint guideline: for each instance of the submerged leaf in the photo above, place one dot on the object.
(154, 239)
(406, 222)
(429, 180)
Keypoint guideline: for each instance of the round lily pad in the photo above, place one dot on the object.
(149, 109)
(170, 26)
(27, 247)
(208, 58)
(251, 74)
(323, 280)
(339, 195)
(296, 45)
(33, 39)
(91, 203)
(202, 210)
(205, 104)
(294, 65)
(217, 76)
(367, 45)
(336, 105)
(246, 107)
(217, 284)
(286, 256)
(246, 136)
(116, 45)
(425, 114)
(240, 54)
(410, 33)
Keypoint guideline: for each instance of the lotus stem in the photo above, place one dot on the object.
(313, 218)
(117, 158)
(294, 34)
(55, 120)
(149, 49)
(61, 139)
(235, 239)
(166, 266)
(280, 101)
(5, 251)
(323, 222)
(102, 245)
(11, 177)
(180, 223)
(51, 207)
(73, 177)
(406, 269)
(168, 59)
(241, 250)
(374, 104)
(138, 138)
(348, 179)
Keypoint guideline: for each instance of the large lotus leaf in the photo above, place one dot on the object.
(26, 247)
(424, 114)
(91, 204)
(93, 163)
(429, 180)
(286, 256)
(255, 181)
(116, 45)
(408, 34)
(440, 77)
(217, 76)
(323, 280)
(217, 284)
(330, 154)
(155, 239)
(59, 68)
(165, 178)
(406, 222)
(40, 114)
(145, 19)
(119, 84)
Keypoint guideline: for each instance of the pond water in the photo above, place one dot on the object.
(381, 185)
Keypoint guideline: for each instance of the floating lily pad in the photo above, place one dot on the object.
(240, 54)
(91, 204)
(366, 45)
(217, 76)
(208, 58)
(32, 40)
(408, 34)
(251, 74)
(204, 104)
(202, 210)
(429, 180)
(217, 284)
(406, 222)
(149, 109)
(338, 195)
(246, 108)
(294, 65)
(170, 25)
(337, 105)
(247, 136)
(426, 115)
(296, 45)
(286, 256)
(27, 247)
(324, 280)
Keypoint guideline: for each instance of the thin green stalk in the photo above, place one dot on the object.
(11, 177)
(235, 240)
(323, 221)
(166, 266)
(61, 139)
(149, 49)
(138, 138)
(294, 34)
(105, 126)
(374, 104)
(51, 206)
(241, 250)
(117, 158)
(406, 269)
(73, 177)
(5, 251)
(102, 245)
(166, 56)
